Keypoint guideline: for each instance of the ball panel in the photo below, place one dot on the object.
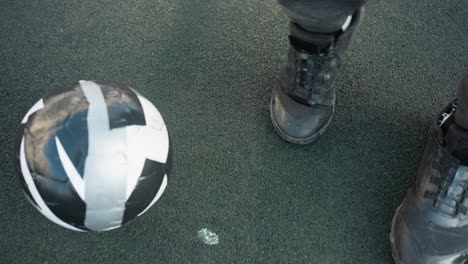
(145, 142)
(146, 189)
(124, 108)
(36, 196)
(46, 169)
(158, 195)
(62, 200)
(136, 156)
(155, 137)
(63, 116)
(53, 184)
(73, 175)
(73, 136)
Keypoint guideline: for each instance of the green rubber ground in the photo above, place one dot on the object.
(209, 66)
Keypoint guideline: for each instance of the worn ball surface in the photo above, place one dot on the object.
(94, 156)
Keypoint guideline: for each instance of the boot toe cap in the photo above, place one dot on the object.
(414, 240)
(296, 122)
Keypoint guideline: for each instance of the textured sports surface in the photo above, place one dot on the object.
(209, 66)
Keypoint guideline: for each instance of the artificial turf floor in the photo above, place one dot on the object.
(209, 66)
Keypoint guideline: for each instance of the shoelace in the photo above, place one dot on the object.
(452, 184)
(308, 70)
(451, 190)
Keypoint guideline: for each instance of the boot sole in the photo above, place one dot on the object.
(299, 141)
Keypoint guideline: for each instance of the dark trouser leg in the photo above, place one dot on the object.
(324, 16)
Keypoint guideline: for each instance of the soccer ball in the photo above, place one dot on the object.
(94, 156)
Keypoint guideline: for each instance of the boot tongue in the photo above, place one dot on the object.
(456, 135)
(456, 142)
(461, 115)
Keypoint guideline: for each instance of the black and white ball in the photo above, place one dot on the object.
(93, 156)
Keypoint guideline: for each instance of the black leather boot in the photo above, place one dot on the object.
(431, 225)
(303, 97)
